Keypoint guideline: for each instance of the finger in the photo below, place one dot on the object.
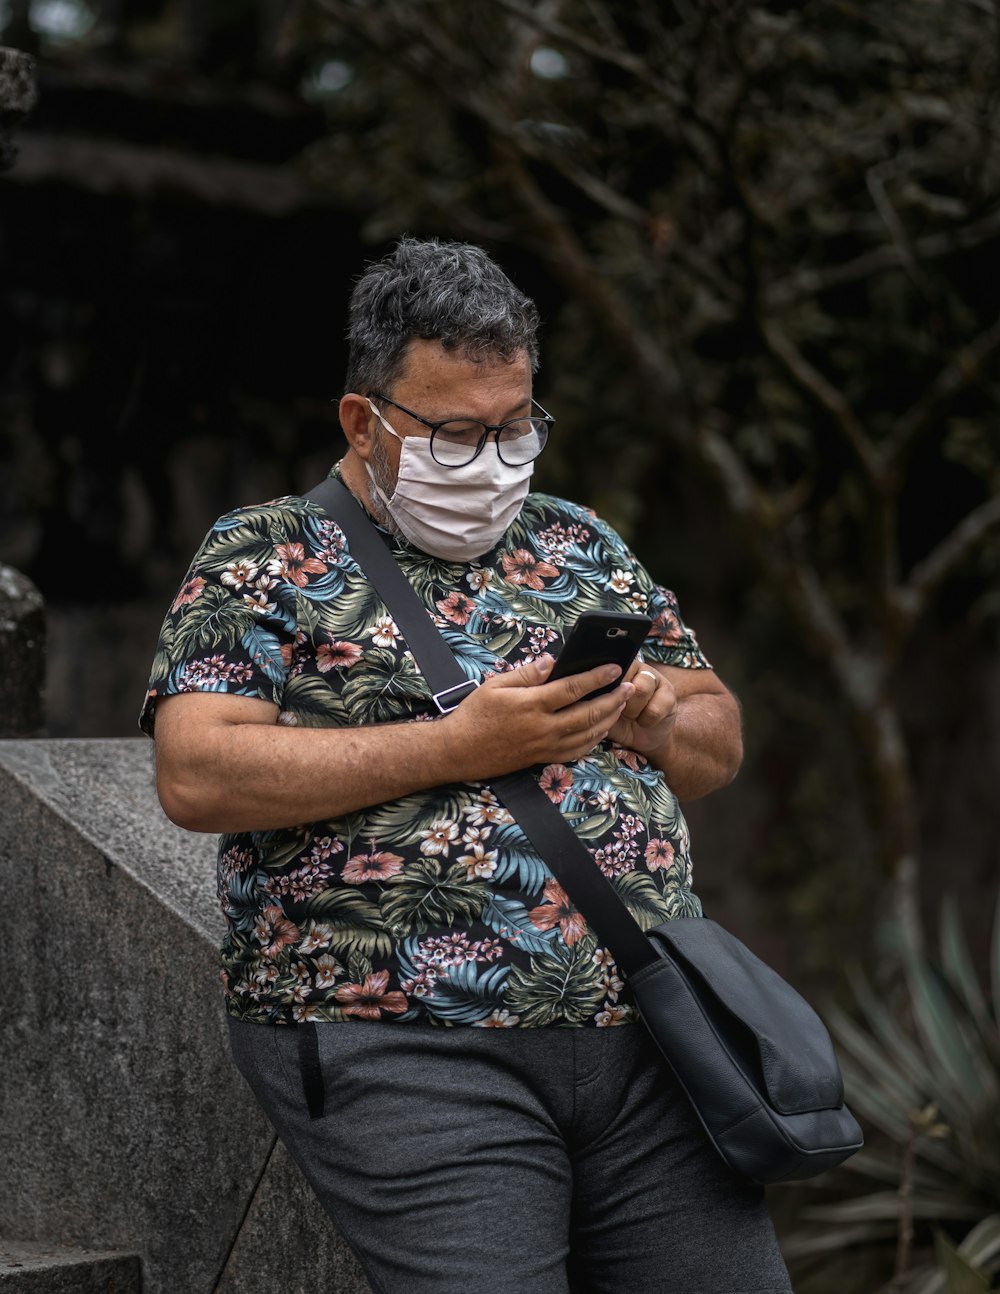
(529, 673)
(598, 722)
(573, 688)
(661, 706)
(645, 682)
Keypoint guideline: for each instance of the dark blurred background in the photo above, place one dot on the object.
(764, 240)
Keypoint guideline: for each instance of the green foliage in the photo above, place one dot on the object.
(925, 1078)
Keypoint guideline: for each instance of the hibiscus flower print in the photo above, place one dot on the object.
(659, 854)
(291, 563)
(558, 910)
(665, 629)
(621, 581)
(317, 935)
(555, 781)
(274, 931)
(190, 590)
(486, 810)
(373, 866)
(522, 567)
(456, 607)
(625, 755)
(337, 655)
(369, 1000)
(605, 801)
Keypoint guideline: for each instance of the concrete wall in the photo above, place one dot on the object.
(126, 1127)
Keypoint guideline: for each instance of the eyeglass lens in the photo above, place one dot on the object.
(454, 444)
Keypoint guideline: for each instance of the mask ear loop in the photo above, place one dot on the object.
(379, 492)
(391, 430)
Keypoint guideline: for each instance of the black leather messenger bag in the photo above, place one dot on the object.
(755, 1060)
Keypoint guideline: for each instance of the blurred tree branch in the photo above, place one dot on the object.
(767, 223)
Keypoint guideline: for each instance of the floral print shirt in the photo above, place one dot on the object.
(434, 907)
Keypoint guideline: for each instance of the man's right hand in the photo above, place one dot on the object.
(517, 719)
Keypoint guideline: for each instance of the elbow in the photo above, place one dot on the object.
(733, 761)
(186, 803)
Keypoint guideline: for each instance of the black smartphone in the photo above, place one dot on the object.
(601, 638)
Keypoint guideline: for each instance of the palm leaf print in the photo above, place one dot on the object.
(405, 819)
(356, 610)
(642, 897)
(314, 703)
(465, 994)
(264, 650)
(385, 690)
(564, 985)
(421, 897)
(214, 619)
(356, 922)
(510, 920)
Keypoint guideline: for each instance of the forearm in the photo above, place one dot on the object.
(704, 748)
(259, 777)
(225, 764)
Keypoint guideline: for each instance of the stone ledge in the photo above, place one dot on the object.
(60, 1269)
(126, 1126)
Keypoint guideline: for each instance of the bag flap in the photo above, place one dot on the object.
(793, 1051)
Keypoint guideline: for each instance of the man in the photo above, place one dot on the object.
(465, 1082)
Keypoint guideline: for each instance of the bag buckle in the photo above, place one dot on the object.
(466, 689)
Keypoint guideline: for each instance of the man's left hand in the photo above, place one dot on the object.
(686, 722)
(647, 722)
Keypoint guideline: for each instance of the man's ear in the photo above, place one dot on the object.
(357, 422)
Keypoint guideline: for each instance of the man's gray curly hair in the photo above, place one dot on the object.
(449, 292)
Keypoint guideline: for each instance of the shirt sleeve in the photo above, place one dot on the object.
(231, 627)
(670, 641)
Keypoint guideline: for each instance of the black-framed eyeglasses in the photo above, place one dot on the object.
(455, 442)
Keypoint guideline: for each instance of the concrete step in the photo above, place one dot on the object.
(32, 1268)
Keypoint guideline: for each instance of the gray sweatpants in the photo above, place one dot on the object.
(526, 1161)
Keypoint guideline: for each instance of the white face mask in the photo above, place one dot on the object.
(453, 513)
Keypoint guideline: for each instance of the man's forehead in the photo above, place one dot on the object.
(428, 360)
(441, 383)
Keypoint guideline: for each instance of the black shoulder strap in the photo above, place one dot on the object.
(448, 682)
(536, 815)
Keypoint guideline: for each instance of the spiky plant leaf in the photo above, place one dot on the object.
(902, 1085)
(944, 1043)
(982, 1245)
(961, 1276)
(808, 1244)
(957, 964)
(884, 1206)
(902, 1051)
(938, 1084)
(995, 969)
